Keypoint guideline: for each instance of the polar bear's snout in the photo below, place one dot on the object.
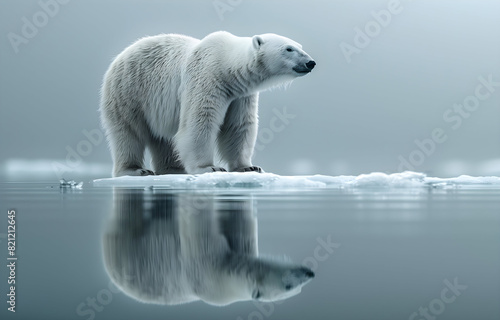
(305, 68)
(300, 275)
(306, 272)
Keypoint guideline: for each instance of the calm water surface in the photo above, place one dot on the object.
(99, 253)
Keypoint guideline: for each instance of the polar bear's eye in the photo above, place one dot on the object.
(289, 49)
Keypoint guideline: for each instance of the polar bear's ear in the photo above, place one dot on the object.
(257, 42)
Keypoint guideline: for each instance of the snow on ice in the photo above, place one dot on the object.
(272, 181)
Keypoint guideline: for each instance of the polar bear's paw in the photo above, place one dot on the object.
(135, 172)
(146, 172)
(251, 169)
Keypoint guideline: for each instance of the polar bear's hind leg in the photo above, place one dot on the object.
(128, 153)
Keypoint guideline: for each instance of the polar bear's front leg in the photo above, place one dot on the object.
(195, 141)
(238, 134)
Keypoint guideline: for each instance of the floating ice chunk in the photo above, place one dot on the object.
(225, 180)
(214, 180)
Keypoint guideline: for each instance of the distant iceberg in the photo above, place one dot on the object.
(272, 181)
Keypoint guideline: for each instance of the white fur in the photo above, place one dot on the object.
(173, 249)
(182, 98)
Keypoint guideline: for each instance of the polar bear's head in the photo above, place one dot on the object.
(246, 278)
(278, 281)
(282, 57)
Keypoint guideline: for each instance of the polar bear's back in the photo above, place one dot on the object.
(149, 70)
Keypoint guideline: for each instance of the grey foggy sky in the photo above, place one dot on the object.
(350, 118)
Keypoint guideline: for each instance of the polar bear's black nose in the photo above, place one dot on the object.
(308, 273)
(303, 272)
(310, 65)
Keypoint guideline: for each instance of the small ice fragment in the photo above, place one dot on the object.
(71, 184)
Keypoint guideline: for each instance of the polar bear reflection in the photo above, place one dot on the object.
(172, 249)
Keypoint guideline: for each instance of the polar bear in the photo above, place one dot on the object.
(183, 98)
(172, 249)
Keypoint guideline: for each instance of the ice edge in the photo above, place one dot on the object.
(406, 179)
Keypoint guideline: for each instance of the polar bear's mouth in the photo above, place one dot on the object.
(301, 70)
(306, 68)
